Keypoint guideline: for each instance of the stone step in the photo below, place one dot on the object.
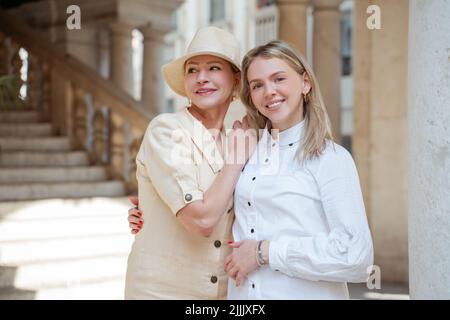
(36, 210)
(64, 248)
(47, 190)
(53, 274)
(34, 251)
(101, 290)
(36, 158)
(19, 116)
(62, 228)
(54, 174)
(40, 144)
(25, 130)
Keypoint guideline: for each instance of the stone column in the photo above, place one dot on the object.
(293, 27)
(379, 139)
(121, 56)
(429, 149)
(154, 55)
(327, 58)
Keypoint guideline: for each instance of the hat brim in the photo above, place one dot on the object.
(173, 72)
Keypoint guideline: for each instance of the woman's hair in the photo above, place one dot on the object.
(317, 123)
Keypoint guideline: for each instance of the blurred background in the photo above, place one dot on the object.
(75, 102)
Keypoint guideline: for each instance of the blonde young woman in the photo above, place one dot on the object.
(185, 183)
(300, 231)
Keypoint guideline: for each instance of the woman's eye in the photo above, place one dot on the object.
(215, 68)
(256, 86)
(279, 79)
(191, 70)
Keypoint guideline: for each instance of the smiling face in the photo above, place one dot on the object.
(276, 91)
(209, 81)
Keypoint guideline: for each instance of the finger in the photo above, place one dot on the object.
(135, 211)
(135, 231)
(236, 244)
(228, 259)
(245, 122)
(136, 220)
(237, 124)
(233, 272)
(229, 266)
(134, 200)
(240, 278)
(134, 226)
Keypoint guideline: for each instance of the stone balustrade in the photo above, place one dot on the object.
(96, 114)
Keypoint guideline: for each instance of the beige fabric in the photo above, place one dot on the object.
(177, 158)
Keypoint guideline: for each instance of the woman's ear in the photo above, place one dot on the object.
(306, 83)
(237, 79)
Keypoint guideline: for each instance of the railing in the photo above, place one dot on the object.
(94, 113)
(266, 24)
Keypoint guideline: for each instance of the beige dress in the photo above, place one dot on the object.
(177, 162)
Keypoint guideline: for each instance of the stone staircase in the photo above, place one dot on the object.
(37, 165)
(63, 228)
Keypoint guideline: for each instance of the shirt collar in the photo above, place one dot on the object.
(287, 137)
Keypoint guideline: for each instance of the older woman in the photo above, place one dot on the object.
(185, 183)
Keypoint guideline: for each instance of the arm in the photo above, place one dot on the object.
(200, 217)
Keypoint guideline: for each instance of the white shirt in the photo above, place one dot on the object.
(312, 214)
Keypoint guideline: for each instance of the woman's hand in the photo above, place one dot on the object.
(135, 219)
(241, 143)
(242, 261)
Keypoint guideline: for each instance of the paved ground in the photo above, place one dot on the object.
(388, 291)
(77, 249)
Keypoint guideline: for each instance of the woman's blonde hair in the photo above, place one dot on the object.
(317, 123)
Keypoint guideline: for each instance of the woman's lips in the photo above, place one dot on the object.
(205, 91)
(275, 104)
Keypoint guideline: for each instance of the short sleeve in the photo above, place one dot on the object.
(167, 155)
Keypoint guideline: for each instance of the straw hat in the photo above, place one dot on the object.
(207, 41)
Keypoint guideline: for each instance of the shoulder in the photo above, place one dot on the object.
(164, 120)
(164, 131)
(333, 160)
(334, 152)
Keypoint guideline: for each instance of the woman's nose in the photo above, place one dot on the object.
(270, 90)
(202, 77)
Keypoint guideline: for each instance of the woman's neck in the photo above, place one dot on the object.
(210, 118)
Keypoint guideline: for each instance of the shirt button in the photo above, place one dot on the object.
(291, 144)
(267, 160)
(273, 144)
(188, 197)
(253, 179)
(217, 244)
(249, 204)
(253, 230)
(253, 285)
(213, 279)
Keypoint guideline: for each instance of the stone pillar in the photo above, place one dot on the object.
(153, 88)
(379, 139)
(121, 56)
(429, 149)
(293, 27)
(327, 58)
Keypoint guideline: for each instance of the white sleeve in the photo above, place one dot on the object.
(345, 254)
